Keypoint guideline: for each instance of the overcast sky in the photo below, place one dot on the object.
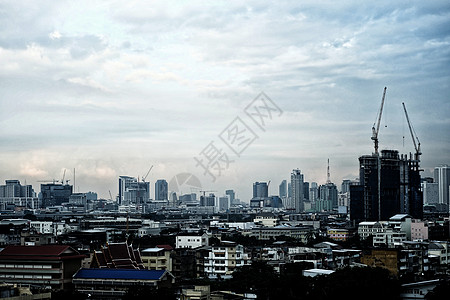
(111, 88)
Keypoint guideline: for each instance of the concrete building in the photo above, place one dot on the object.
(232, 195)
(48, 267)
(157, 258)
(191, 241)
(430, 193)
(389, 185)
(55, 194)
(161, 190)
(133, 192)
(224, 259)
(13, 194)
(297, 185)
(442, 178)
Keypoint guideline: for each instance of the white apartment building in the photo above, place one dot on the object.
(191, 241)
(224, 259)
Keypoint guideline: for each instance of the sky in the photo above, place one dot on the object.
(228, 92)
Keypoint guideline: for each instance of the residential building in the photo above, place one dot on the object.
(223, 260)
(266, 233)
(48, 266)
(338, 234)
(191, 241)
(157, 258)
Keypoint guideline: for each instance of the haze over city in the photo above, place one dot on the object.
(112, 88)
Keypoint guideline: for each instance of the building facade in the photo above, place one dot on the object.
(297, 185)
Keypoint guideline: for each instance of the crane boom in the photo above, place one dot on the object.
(416, 146)
(377, 129)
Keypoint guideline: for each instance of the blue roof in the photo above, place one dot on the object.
(119, 274)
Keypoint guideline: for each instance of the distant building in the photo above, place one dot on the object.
(161, 190)
(13, 194)
(55, 194)
(297, 185)
(442, 178)
(157, 258)
(283, 189)
(223, 203)
(260, 194)
(133, 192)
(328, 197)
(208, 200)
(430, 193)
(232, 195)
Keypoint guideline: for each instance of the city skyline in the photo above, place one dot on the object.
(110, 89)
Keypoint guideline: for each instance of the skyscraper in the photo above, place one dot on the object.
(442, 178)
(283, 189)
(232, 195)
(161, 190)
(390, 185)
(297, 190)
(133, 192)
(260, 194)
(55, 194)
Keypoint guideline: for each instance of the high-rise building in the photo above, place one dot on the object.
(260, 190)
(14, 194)
(223, 203)
(430, 193)
(133, 192)
(328, 197)
(313, 192)
(208, 200)
(260, 194)
(390, 185)
(283, 189)
(442, 178)
(232, 195)
(161, 190)
(55, 194)
(297, 190)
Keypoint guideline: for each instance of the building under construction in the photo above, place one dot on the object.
(389, 185)
(389, 182)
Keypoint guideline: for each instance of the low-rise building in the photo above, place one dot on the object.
(115, 283)
(224, 259)
(157, 258)
(49, 266)
(191, 241)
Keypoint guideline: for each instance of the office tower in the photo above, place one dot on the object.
(430, 193)
(313, 192)
(328, 197)
(161, 190)
(283, 189)
(346, 183)
(442, 178)
(232, 195)
(223, 203)
(13, 194)
(133, 192)
(208, 200)
(398, 180)
(260, 190)
(297, 190)
(55, 194)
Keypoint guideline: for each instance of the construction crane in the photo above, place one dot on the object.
(64, 175)
(375, 130)
(413, 136)
(144, 177)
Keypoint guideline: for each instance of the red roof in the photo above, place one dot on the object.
(167, 247)
(46, 252)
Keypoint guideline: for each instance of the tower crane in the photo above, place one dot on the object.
(376, 130)
(144, 177)
(413, 136)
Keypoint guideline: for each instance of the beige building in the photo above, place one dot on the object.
(158, 258)
(224, 259)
